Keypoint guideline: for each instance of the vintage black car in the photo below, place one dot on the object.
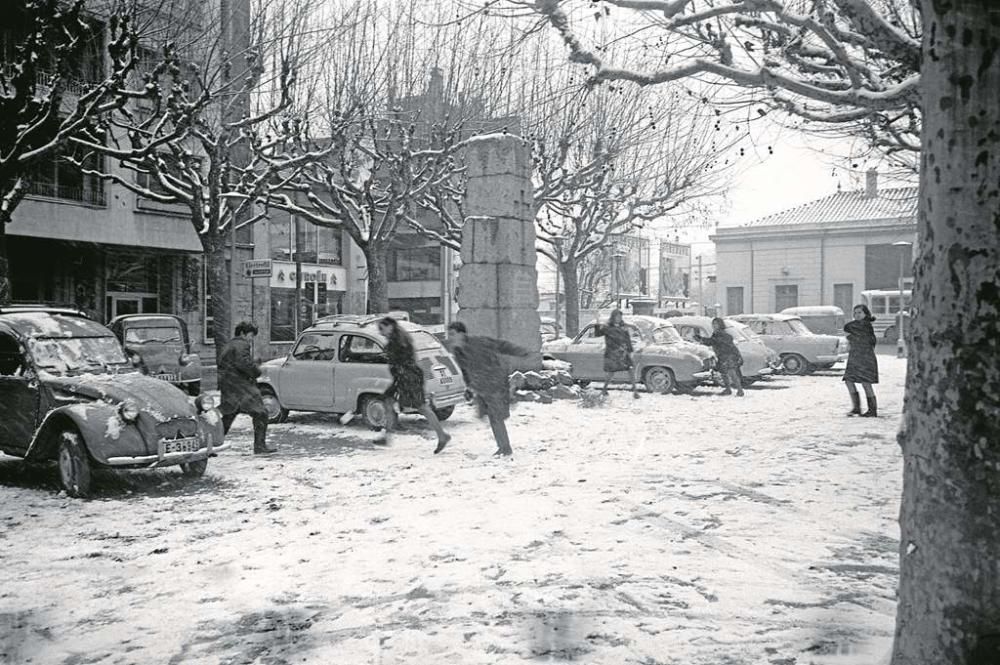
(162, 346)
(68, 391)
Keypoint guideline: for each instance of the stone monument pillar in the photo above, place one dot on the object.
(497, 284)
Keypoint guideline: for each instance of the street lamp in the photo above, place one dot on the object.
(904, 246)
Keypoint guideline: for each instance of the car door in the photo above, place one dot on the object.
(586, 354)
(19, 398)
(307, 378)
(362, 367)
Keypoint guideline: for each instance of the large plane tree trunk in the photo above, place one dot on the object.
(949, 595)
(571, 286)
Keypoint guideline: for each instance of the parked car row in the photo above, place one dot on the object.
(670, 357)
(664, 361)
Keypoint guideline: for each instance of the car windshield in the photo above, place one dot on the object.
(158, 335)
(665, 335)
(66, 355)
(798, 327)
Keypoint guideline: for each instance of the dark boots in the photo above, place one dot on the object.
(872, 408)
(856, 403)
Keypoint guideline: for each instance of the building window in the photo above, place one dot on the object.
(414, 264)
(734, 300)
(56, 176)
(785, 296)
(316, 244)
(843, 297)
(882, 266)
(282, 315)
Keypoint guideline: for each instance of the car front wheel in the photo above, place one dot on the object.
(195, 469)
(795, 364)
(660, 380)
(275, 412)
(375, 411)
(74, 464)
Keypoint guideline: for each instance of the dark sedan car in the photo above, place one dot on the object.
(69, 392)
(161, 344)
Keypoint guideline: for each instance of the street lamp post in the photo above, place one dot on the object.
(901, 333)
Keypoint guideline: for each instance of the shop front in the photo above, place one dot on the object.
(296, 302)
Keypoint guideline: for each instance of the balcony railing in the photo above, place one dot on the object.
(74, 86)
(96, 197)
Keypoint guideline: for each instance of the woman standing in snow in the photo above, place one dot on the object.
(730, 358)
(617, 349)
(407, 380)
(862, 366)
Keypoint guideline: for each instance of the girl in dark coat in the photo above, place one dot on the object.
(729, 357)
(617, 350)
(407, 380)
(862, 366)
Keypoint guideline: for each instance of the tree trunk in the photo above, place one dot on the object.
(5, 288)
(378, 278)
(218, 280)
(949, 593)
(571, 286)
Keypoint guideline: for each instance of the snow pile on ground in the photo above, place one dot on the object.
(701, 529)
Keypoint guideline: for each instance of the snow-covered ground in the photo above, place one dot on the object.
(670, 529)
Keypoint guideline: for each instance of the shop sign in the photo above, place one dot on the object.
(333, 277)
(257, 268)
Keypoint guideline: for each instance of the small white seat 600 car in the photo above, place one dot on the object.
(339, 366)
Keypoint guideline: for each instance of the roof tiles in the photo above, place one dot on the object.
(890, 204)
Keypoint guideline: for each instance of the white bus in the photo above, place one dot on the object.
(885, 307)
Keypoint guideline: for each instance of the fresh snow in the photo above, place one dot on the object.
(702, 530)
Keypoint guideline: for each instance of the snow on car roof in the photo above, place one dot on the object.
(53, 324)
(146, 318)
(763, 317)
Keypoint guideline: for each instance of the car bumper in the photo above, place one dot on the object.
(167, 459)
(823, 360)
(450, 399)
(702, 376)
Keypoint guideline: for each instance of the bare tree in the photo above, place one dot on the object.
(893, 69)
(195, 137)
(845, 66)
(54, 78)
(390, 122)
(608, 161)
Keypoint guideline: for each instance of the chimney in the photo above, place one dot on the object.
(871, 184)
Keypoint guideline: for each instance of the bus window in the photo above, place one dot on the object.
(893, 304)
(878, 305)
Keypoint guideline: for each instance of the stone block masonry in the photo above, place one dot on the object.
(497, 284)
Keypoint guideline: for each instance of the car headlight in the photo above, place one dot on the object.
(128, 410)
(205, 402)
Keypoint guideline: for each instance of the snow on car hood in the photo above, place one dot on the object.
(157, 398)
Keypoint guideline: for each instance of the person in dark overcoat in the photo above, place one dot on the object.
(407, 379)
(617, 350)
(486, 376)
(238, 382)
(862, 365)
(729, 357)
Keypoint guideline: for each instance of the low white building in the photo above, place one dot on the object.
(821, 253)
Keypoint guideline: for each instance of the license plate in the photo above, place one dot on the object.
(189, 445)
(165, 377)
(446, 380)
